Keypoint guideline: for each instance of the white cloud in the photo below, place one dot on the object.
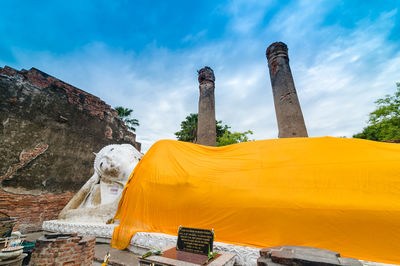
(339, 88)
(297, 22)
(246, 14)
(336, 88)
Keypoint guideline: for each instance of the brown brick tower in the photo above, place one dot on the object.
(206, 129)
(287, 106)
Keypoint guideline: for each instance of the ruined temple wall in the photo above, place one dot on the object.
(48, 133)
(32, 210)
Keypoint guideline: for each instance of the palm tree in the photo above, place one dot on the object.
(124, 114)
(188, 130)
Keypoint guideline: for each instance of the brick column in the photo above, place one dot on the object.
(206, 128)
(287, 106)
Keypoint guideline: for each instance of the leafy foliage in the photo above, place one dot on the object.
(124, 114)
(384, 122)
(230, 138)
(210, 256)
(188, 132)
(153, 251)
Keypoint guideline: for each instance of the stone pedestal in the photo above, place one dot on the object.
(173, 257)
(142, 242)
(302, 256)
(287, 106)
(14, 262)
(206, 127)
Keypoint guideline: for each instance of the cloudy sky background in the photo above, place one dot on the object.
(144, 55)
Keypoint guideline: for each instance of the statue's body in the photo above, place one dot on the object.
(97, 200)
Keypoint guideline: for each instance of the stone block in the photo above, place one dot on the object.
(350, 262)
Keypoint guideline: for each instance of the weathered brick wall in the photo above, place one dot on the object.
(48, 133)
(73, 250)
(32, 210)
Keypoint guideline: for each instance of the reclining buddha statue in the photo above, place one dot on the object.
(97, 201)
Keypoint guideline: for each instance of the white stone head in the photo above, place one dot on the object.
(116, 162)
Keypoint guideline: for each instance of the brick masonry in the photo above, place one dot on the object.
(287, 105)
(32, 210)
(64, 250)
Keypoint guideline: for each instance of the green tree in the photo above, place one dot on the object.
(125, 115)
(188, 132)
(384, 122)
(231, 138)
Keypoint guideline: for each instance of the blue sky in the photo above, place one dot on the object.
(144, 55)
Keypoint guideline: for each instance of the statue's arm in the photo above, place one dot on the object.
(101, 213)
(79, 196)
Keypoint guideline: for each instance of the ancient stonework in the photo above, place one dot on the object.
(32, 210)
(302, 256)
(287, 106)
(63, 249)
(206, 129)
(48, 133)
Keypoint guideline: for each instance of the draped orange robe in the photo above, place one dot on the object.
(331, 193)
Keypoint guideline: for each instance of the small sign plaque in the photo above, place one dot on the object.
(195, 240)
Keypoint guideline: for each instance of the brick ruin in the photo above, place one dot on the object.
(287, 105)
(63, 249)
(206, 130)
(48, 133)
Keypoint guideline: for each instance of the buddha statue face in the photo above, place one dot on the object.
(116, 162)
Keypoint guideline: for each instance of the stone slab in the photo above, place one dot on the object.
(182, 255)
(263, 261)
(296, 255)
(350, 262)
(188, 259)
(14, 262)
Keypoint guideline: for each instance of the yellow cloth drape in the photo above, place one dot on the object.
(332, 193)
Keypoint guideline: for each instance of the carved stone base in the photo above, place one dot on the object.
(143, 242)
(173, 257)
